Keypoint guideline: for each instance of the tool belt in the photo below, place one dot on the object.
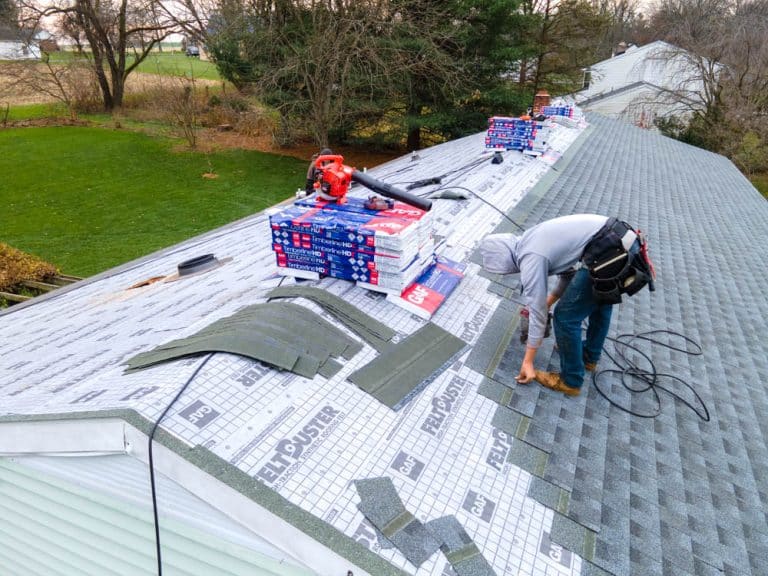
(617, 260)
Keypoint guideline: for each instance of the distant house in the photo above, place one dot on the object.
(641, 83)
(14, 46)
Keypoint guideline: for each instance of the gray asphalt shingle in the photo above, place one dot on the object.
(673, 494)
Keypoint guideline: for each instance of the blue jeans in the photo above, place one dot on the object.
(576, 304)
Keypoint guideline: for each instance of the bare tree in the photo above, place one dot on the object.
(192, 17)
(72, 83)
(722, 44)
(115, 35)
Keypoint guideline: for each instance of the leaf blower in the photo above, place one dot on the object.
(332, 179)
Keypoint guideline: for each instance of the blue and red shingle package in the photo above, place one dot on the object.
(520, 134)
(382, 248)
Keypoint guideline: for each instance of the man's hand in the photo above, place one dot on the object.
(527, 373)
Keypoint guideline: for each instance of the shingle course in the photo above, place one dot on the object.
(674, 494)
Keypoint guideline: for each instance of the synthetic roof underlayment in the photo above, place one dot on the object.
(542, 484)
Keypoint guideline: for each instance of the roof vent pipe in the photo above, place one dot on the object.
(198, 264)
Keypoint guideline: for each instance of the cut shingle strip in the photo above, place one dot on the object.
(459, 549)
(285, 335)
(403, 369)
(381, 505)
(375, 333)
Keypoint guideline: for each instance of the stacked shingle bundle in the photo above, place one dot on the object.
(385, 250)
(567, 111)
(516, 134)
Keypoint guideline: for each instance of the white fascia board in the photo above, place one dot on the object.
(63, 437)
(284, 536)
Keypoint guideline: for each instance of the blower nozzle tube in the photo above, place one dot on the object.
(390, 191)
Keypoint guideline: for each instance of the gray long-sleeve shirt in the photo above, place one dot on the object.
(551, 247)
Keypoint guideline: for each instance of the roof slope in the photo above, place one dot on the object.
(675, 494)
(659, 66)
(521, 468)
(282, 447)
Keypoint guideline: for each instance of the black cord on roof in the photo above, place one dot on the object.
(483, 200)
(152, 464)
(639, 380)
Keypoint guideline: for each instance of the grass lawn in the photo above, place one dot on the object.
(33, 111)
(88, 199)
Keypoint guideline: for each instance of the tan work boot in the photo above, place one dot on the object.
(554, 381)
(588, 366)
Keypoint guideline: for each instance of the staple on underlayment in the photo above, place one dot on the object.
(460, 550)
(377, 334)
(381, 505)
(404, 369)
(284, 335)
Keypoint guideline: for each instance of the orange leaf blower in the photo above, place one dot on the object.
(332, 179)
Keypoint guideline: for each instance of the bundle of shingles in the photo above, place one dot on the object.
(563, 113)
(567, 111)
(523, 134)
(383, 250)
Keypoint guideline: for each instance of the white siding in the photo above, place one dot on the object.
(18, 51)
(61, 525)
(636, 85)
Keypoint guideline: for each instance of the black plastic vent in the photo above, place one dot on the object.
(198, 264)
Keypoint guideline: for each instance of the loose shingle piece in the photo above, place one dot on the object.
(404, 369)
(375, 333)
(381, 505)
(462, 553)
(284, 335)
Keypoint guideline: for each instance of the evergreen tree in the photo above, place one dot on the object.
(8, 14)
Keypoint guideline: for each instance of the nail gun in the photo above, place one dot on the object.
(333, 179)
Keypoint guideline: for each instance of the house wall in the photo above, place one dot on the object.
(16, 51)
(637, 84)
(639, 105)
(83, 516)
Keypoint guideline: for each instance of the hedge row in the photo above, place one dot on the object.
(16, 267)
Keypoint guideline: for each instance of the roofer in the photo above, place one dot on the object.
(596, 259)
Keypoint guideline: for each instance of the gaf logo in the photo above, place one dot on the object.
(199, 414)
(418, 295)
(554, 551)
(408, 465)
(479, 506)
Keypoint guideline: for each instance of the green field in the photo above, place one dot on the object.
(162, 63)
(88, 199)
(177, 64)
